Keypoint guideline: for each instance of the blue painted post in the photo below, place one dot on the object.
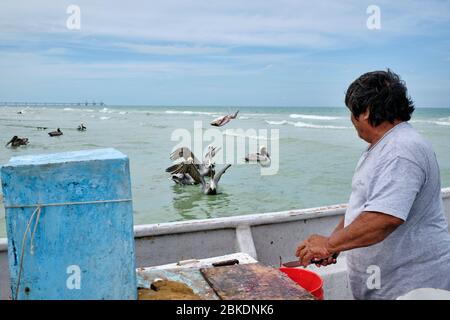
(80, 244)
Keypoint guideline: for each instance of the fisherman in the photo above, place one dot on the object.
(394, 231)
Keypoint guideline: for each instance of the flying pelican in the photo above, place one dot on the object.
(221, 121)
(262, 157)
(16, 142)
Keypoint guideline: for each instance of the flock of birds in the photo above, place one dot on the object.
(192, 171)
(17, 142)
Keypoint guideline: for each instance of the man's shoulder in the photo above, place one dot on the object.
(408, 144)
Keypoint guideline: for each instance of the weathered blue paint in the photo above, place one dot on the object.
(98, 238)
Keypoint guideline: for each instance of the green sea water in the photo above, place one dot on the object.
(318, 151)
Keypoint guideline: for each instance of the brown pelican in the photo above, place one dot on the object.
(204, 168)
(221, 121)
(208, 187)
(262, 157)
(183, 179)
(81, 127)
(16, 142)
(56, 133)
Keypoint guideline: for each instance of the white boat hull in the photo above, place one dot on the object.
(267, 237)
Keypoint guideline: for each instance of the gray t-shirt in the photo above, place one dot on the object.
(399, 176)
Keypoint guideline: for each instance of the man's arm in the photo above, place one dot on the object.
(339, 227)
(367, 229)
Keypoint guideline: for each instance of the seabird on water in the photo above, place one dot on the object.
(183, 179)
(211, 186)
(16, 142)
(81, 127)
(221, 121)
(56, 133)
(208, 187)
(204, 168)
(262, 157)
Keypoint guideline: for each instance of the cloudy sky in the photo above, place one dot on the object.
(227, 52)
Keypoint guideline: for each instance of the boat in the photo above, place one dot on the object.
(270, 238)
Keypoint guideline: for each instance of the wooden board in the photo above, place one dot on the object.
(253, 282)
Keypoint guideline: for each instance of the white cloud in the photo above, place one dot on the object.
(291, 23)
(203, 38)
(170, 49)
(32, 65)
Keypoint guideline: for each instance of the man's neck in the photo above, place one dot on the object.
(381, 130)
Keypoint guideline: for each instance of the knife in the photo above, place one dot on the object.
(294, 264)
(225, 263)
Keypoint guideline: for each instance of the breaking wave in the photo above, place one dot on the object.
(234, 134)
(106, 110)
(191, 112)
(312, 117)
(76, 109)
(305, 125)
(277, 123)
(441, 122)
(315, 126)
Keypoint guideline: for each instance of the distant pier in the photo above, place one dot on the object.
(42, 104)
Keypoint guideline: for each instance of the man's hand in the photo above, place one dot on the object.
(314, 248)
(328, 261)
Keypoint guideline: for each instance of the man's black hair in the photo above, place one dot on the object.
(384, 93)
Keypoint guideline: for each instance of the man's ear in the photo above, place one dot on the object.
(366, 114)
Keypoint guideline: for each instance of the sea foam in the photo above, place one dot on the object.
(190, 112)
(305, 125)
(312, 117)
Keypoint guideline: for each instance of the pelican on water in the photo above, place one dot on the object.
(56, 133)
(16, 142)
(204, 168)
(262, 157)
(208, 187)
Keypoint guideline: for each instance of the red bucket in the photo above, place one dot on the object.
(307, 279)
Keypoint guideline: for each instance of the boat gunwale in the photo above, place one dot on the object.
(168, 228)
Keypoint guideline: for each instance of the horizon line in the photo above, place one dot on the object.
(74, 104)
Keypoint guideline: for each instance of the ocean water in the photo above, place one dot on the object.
(318, 151)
